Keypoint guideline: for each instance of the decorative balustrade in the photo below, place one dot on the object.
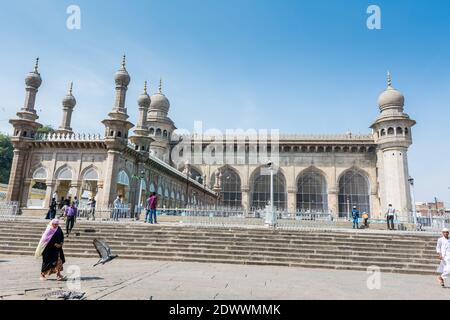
(282, 137)
(68, 137)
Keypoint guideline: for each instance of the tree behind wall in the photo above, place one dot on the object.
(6, 156)
(7, 152)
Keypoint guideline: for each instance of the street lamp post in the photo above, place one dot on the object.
(141, 186)
(411, 182)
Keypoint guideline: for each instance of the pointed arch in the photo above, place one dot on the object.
(41, 173)
(312, 194)
(64, 172)
(260, 189)
(354, 190)
(231, 193)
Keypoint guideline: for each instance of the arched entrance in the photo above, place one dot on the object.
(123, 186)
(89, 185)
(353, 191)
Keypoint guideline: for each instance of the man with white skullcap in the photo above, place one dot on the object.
(443, 250)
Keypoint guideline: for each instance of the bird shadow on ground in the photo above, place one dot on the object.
(4, 261)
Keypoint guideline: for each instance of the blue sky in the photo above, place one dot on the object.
(297, 66)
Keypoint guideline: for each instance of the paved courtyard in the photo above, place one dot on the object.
(157, 280)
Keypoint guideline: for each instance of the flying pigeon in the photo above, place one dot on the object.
(104, 252)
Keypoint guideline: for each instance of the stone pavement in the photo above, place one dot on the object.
(137, 280)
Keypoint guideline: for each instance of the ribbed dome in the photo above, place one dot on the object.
(122, 77)
(160, 102)
(144, 99)
(391, 98)
(69, 100)
(34, 79)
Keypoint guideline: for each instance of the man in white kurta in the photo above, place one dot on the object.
(443, 250)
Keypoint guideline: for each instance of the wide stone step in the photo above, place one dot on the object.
(85, 243)
(265, 247)
(242, 253)
(261, 259)
(216, 238)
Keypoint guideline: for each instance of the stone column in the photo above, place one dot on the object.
(49, 193)
(292, 200)
(245, 190)
(75, 189)
(15, 186)
(110, 183)
(23, 202)
(333, 201)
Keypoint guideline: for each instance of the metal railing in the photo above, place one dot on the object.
(109, 214)
(8, 210)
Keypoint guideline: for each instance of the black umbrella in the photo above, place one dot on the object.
(104, 252)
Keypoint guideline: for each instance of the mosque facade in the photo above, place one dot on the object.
(311, 173)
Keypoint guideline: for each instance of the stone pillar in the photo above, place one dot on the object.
(15, 186)
(23, 202)
(333, 201)
(245, 198)
(292, 200)
(49, 193)
(75, 189)
(110, 183)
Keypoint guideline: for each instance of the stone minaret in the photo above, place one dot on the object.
(25, 128)
(116, 136)
(117, 125)
(160, 125)
(69, 103)
(392, 133)
(141, 137)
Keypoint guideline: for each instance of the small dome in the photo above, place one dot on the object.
(34, 79)
(122, 77)
(391, 98)
(160, 102)
(144, 100)
(69, 100)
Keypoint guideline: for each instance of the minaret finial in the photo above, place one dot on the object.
(389, 79)
(71, 88)
(36, 66)
(145, 87)
(124, 61)
(160, 85)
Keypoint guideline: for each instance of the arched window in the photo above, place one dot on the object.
(353, 191)
(261, 191)
(152, 131)
(390, 131)
(312, 192)
(406, 131)
(158, 132)
(91, 175)
(65, 174)
(231, 194)
(165, 134)
(40, 174)
(399, 131)
(383, 132)
(123, 178)
(119, 134)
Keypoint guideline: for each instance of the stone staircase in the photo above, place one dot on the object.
(391, 252)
